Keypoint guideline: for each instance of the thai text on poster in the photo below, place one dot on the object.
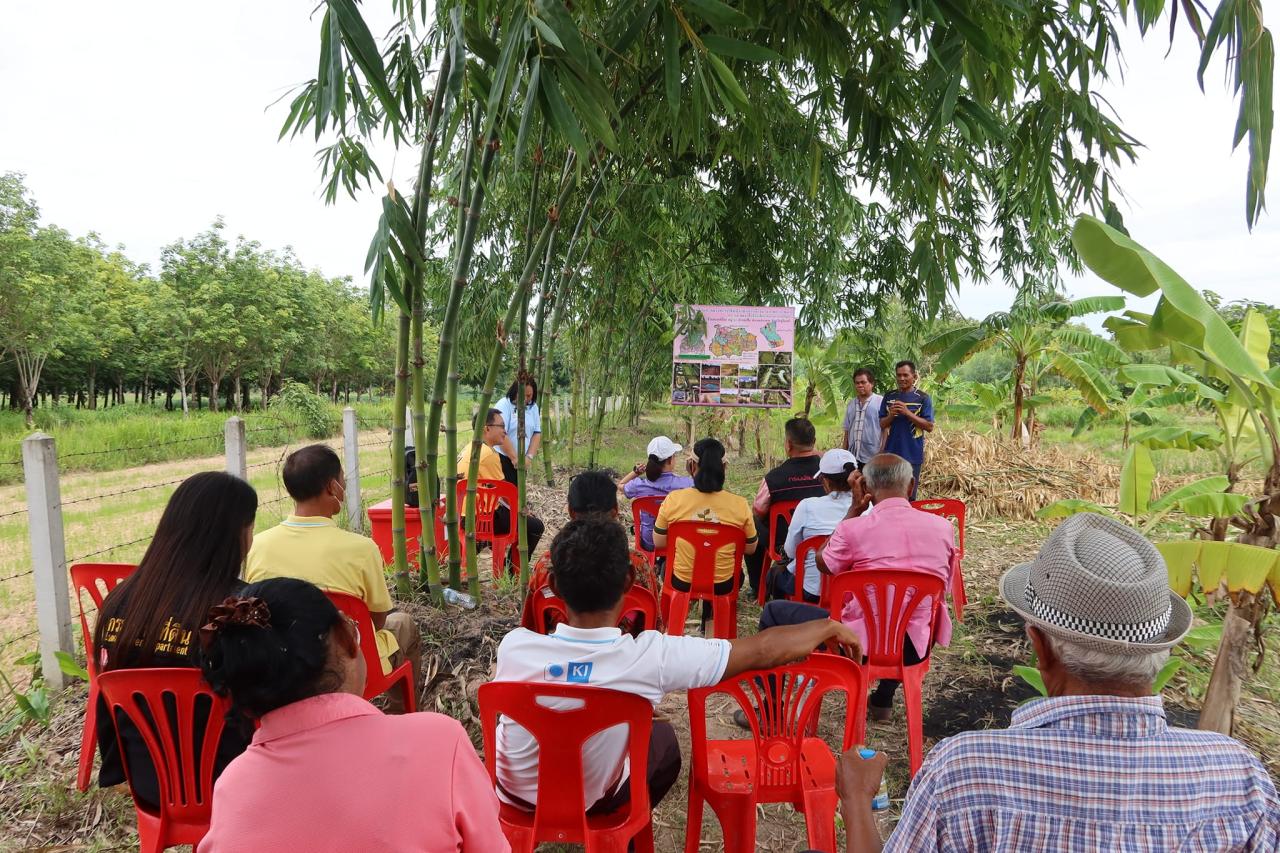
(733, 355)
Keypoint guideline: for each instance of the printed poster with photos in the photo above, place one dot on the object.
(733, 355)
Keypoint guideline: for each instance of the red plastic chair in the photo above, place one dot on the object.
(162, 705)
(952, 510)
(561, 816)
(375, 682)
(806, 547)
(708, 539)
(649, 504)
(888, 598)
(94, 580)
(488, 495)
(638, 600)
(779, 511)
(782, 762)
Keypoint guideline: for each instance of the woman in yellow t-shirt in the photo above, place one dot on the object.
(706, 501)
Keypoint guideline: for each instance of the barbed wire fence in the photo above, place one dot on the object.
(57, 612)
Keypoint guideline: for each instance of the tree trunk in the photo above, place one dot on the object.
(93, 389)
(1019, 370)
(1232, 665)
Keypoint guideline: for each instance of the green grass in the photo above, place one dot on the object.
(130, 435)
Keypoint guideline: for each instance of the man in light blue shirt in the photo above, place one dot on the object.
(862, 418)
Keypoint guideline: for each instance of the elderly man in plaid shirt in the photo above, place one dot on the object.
(1095, 766)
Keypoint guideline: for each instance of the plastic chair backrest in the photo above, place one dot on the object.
(649, 504)
(162, 705)
(888, 598)
(488, 495)
(708, 539)
(782, 705)
(637, 599)
(95, 580)
(560, 734)
(779, 511)
(359, 611)
(950, 509)
(806, 547)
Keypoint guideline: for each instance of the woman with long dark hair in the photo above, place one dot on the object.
(151, 618)
(326, 769)
(706, 501)
(655, 477)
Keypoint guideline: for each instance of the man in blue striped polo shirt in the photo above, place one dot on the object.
(1094, 766)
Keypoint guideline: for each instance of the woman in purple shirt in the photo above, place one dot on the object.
(658, 481)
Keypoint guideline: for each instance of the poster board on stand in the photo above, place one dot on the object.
(733, 355)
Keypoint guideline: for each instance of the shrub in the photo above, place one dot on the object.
(309, 409)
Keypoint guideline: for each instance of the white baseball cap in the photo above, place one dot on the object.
(663, 448)
(834, 460)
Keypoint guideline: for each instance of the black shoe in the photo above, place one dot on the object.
(740, 719)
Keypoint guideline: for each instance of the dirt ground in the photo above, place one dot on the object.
(970, 685)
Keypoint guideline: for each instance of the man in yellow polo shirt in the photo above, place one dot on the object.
(309, 545)
(495, 431)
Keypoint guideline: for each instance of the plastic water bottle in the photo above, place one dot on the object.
(452, 596)
(880, 801)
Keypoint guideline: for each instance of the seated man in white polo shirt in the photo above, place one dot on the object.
(591, 570)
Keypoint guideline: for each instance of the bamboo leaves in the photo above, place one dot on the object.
(347, 27)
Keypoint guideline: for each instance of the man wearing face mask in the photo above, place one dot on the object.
(310, 545)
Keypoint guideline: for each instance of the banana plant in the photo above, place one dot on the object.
(1040, 339)
(1198, 337)
(1241, 573)
(1203, 498)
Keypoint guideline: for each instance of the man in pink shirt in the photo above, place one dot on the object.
(892, 534)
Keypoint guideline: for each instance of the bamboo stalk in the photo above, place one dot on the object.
(491, 374)
(400, 555)
(544, 349)
(425, 459)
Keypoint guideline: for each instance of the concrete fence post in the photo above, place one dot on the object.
(233, 442)
(48, 554)
(351, 466)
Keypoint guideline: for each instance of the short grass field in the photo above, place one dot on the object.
(971, 683)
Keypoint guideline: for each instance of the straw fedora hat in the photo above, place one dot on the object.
(1100, 584)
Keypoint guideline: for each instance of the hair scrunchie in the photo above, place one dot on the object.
(234, 611)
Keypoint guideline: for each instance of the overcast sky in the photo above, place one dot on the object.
(144, 120)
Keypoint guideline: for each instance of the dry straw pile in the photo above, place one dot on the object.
(997, 478)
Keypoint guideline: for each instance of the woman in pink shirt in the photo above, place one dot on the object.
(327, 770)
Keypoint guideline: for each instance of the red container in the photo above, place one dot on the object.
(380, 530)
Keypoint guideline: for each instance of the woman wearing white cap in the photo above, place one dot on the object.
(658, 480)
(815, 517)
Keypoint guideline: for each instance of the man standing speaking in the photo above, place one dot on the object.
(862, 418)
(905, 416)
